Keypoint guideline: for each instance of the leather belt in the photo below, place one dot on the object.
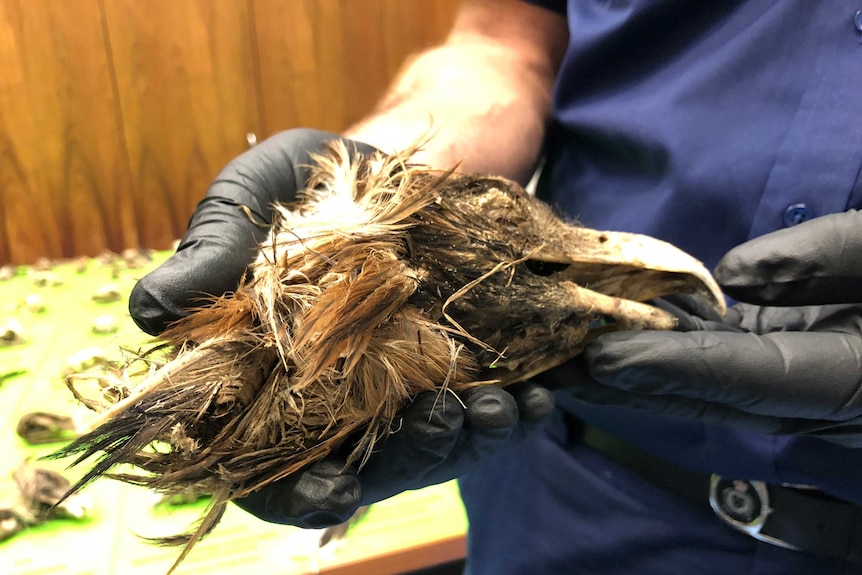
(796, 517)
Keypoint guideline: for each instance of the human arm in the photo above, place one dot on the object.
(484, 95)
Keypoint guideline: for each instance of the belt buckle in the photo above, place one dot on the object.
(744, 505)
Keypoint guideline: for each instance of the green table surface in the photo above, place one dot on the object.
(109, 542)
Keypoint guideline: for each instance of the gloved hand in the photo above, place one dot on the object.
(439, 438)
(779, 370)
(222, 240)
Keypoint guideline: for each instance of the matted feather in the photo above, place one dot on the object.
(384, 280)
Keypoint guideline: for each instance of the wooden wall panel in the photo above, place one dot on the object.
(411, 26)
(324, 63)
(364, 73)
(287, 51)
(116, 114)
(187, 92)
(63, 184)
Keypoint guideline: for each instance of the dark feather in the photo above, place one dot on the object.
(387, 280)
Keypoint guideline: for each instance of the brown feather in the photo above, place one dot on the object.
(385, 281)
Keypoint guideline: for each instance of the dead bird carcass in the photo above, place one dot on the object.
(385, 280)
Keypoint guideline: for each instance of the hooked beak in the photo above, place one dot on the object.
(615, 272)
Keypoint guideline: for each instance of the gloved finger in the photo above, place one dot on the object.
(429, 431)
(202, 267)
(325, 493)
(572, 379)
(595, 393)
(701, 411)
(227, 226)
(691, 316)
(809, 375)
(535, 404)
(491, 413)
(769, 319)
(689, 305)
(442, 438)
(816, 262)
(491, 420)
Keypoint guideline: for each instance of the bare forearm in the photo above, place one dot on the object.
(471, 113)
(483, 98)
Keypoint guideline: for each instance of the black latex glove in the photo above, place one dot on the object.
(221, 240)
(439, 438)
(780, 370)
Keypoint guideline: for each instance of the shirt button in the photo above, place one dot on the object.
(857, 20)
(796, 214)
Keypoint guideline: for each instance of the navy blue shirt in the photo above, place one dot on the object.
(703, 123)
(706, 124)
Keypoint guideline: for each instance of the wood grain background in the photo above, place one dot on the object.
(116, 114)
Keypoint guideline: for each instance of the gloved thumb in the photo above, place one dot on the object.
(228, 225)
(817, 262)
(209, 261)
